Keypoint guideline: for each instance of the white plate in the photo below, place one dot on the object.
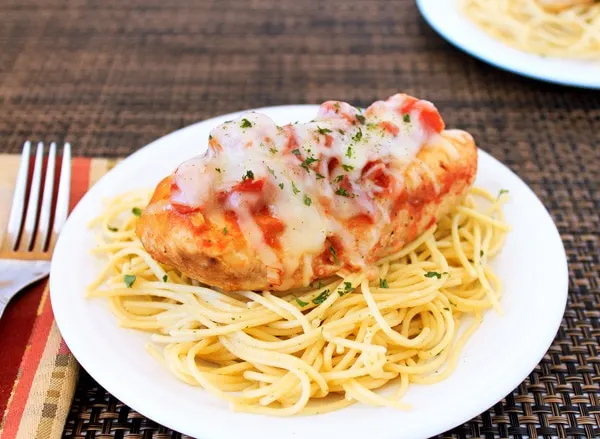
(445, 17)
(497, 358)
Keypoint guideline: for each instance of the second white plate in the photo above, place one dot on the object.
(445, 17)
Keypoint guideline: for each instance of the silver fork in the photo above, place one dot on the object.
(32, 228)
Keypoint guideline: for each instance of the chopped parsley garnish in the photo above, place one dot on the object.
(295, 190)
(406, 118)
(356, 137)
(281, 186)
(249, 175)
(481, 253)
(343, 192)
(319, 176)
(112, 229)
(502, 192)
(349, 151)
(271, 171)
(218, 170)
(383, 283)
(348, 168)
(246, 123)
(296, 151)
(136, 211)
(347, 289)
(360, 118)
(129, 279)
(307, 200)
(323, 130)
(433, 274)
(301, 302)
(321, 297)
(339, 178)
(272, 150)
(210, 137)
(165, 278)
(336, 106)
(306, 163)
(446, 309)
(333, 253)
(342, 132)
(225, 231)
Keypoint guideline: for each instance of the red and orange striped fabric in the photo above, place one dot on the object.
(37, 372)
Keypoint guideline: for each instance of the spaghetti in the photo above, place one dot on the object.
(319, 348)
(528, 25)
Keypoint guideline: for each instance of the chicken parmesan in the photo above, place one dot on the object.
(270, 207)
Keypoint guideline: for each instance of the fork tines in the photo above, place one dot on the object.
(42, 219)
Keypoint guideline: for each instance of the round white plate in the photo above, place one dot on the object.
(445, 17)
(496, 359)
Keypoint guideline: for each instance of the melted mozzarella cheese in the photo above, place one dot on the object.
(311, 174)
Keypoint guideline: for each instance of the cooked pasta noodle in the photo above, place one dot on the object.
(318, 348)
(569, 32)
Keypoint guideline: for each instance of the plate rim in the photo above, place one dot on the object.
(470, 49)
(442, 424)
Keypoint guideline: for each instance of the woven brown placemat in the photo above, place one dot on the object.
(112, 75)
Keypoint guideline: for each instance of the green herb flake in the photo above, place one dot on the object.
(342, 132)
(347, 289)
(336, 106)
(296, 151)
(249, 175)
(272, 150)
(307, 200)
(225, 231)
(271, 171)
(339, 178)
(446, 309)
(349, 152)
(357, 137)
(323, 130)
(360, 118)
(246, 123)
(502, 192)
(295, 190)
(334, 254)
(136, 211)
(165, 278)
(113, 229)
(406, 118)
(320, 176)
(210, 137)
(321, 297)
(218, 170)
(129, 279)
(343, 192)
(301, 302)
(481, 253)
(307, 162)
(383, 283)
(348, 168)
(281, 186)
(433, 274)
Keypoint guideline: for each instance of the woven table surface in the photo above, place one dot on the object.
(109, 76)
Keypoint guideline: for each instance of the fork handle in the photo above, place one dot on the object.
(16, 274)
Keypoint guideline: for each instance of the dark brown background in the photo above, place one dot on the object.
(111, 75)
